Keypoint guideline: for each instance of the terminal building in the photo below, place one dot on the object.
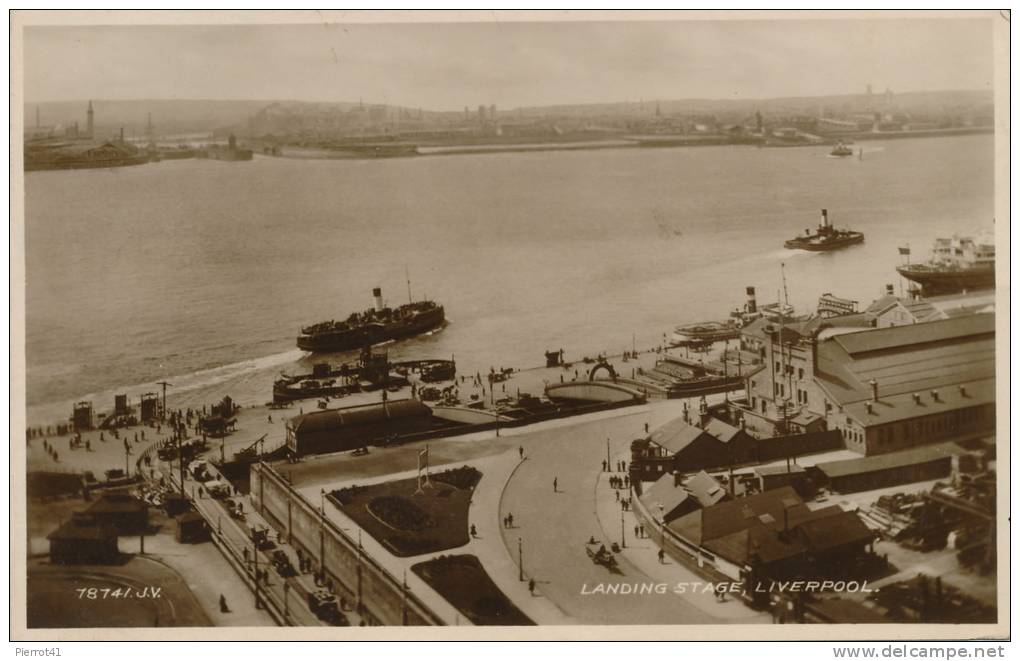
(883, 389)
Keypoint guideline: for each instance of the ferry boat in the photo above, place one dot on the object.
(841, 150)
(957, 264)
(373, 371)
(826, 238)
(375, 325)
(706, 332)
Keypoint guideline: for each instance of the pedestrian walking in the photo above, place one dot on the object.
(617, 495)
(555, 485)
(662, 556)
(604, 466)
(636, 528)
(520, 451)
(474, 531)
(642, 530)
(531, 586)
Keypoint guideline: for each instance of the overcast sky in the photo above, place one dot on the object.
(449, 66)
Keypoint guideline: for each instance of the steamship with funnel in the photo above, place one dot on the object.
(375, 325)
(957, 264)
(703, 333)
(826, 238)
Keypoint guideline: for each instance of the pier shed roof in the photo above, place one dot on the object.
(358, 415)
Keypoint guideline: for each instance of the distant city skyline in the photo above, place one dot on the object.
(447, 66)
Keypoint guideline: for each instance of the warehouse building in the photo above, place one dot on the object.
(882, 389)
(771, 536)
(931, 462)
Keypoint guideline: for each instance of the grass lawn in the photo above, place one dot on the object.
(462, 581)
(409, 523)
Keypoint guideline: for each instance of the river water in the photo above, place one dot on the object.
(200, 272)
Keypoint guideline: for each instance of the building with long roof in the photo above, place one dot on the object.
(884, 389)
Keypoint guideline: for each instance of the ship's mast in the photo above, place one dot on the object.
(782, 356)
(407, 275)
(786, 294)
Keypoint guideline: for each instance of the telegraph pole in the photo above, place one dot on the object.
(164, 384)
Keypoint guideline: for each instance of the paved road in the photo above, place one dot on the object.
(237, 538)
(553, 527)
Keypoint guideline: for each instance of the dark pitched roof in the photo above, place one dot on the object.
(721, 430)
(732, 516)
(914, 456)
(77, 530)
(676, 435)
(117, 503)
(834, 531)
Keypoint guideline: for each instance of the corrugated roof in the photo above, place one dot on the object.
(358, 415)
(914, 456)
(916, 334)
(914, 358)
(894, 408)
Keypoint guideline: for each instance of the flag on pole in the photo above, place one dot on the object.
(905, 251)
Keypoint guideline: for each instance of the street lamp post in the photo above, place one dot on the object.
(609, 463)
(322, 533)
(255, 555)
(623, 534)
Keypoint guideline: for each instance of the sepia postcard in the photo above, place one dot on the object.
(510, 325)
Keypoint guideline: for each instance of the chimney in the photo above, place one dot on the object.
(963, 391)
(874, 390)
(867, 405)
(889, 290)
(917, 398)
(752, 303)
(935, 395)
(825, 217)
(377, 293)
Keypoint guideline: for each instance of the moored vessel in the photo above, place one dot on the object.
(375, 325)
(707, 332)
(957, 264)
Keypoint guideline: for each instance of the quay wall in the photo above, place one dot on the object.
(380, 597)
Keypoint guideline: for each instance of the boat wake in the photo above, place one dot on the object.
(182, 384)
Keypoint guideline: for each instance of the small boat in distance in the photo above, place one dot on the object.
(841, 150)
(826, 238)
(957, 264)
